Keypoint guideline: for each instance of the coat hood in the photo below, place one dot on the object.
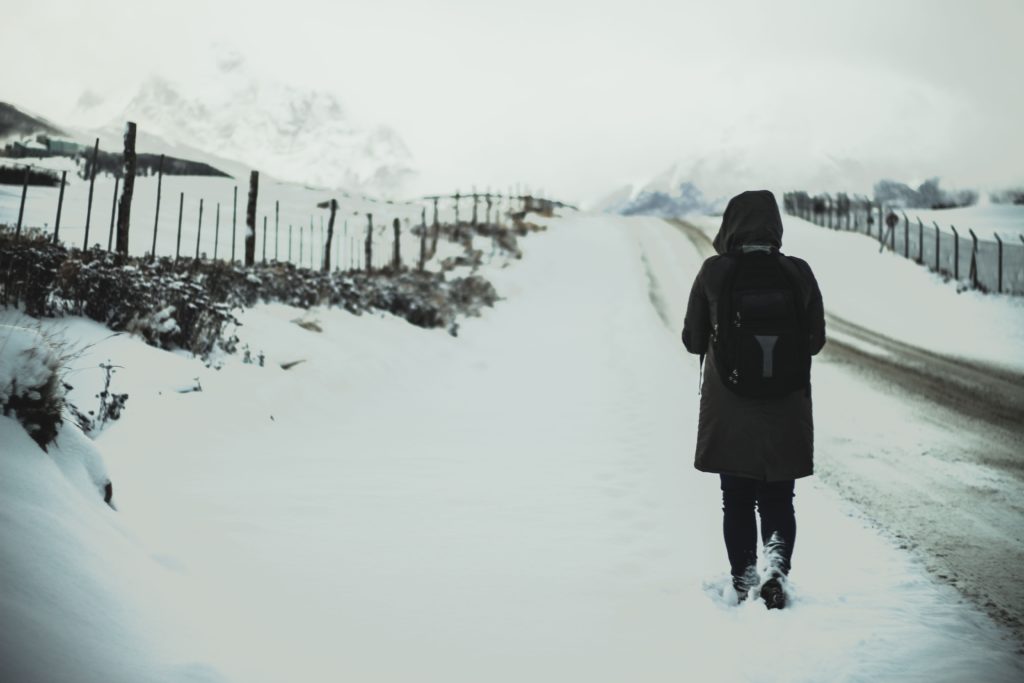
(750, 218)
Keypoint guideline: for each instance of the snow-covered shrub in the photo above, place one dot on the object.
(191, 304)
(31, 389)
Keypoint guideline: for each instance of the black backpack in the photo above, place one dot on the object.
(761, 337)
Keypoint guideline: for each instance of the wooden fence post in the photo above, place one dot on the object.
(199, 228)
(368, 264)
(60, 206)
(156, 219)
(956, 253)
(113, 217)
(906, 235)
(250, 219)
(396, 256)
(475, 201)
(264, 238)
(277, 222)
(973, 272)
(234, 220)
(333, 206)
(24, 192)
(999, 241)
(423, 238)
(456, 208)
(92, 186)
(181, 211)
(435, 231)
(216, 232)
(124, 211)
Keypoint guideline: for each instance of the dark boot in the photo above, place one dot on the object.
(773, 592)
(745, 582)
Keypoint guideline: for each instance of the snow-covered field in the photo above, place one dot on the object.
(1006, 220)
(517, 503)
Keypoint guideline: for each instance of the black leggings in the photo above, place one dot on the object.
(774, 503)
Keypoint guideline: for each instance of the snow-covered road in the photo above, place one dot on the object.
(515, 504)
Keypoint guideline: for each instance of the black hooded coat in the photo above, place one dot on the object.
(770, 439)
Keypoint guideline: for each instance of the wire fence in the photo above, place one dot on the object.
(987, 265)
(177, 216)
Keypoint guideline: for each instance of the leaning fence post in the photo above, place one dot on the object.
(199, 228)
(250, 219)
(92, 184)
(124, 211)
(156, 220)
(24, 191)
(181, 211)
(113, 215)
(60, 206)
(974, 259)
(956, 253)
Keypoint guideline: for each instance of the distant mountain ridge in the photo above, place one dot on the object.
(16, 123)
(296, 135)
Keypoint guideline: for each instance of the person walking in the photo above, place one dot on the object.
(758, 317)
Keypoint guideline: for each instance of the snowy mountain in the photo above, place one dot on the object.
(669, 194)
(297, 135)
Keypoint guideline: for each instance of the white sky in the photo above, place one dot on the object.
(580, 97)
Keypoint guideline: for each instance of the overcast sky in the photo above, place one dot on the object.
(580, 97)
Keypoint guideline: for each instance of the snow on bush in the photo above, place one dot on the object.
(191, 304)
(31, 390)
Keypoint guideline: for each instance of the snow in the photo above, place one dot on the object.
(986, 219)
(25, 363)
(517, 503)
(894, 296)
